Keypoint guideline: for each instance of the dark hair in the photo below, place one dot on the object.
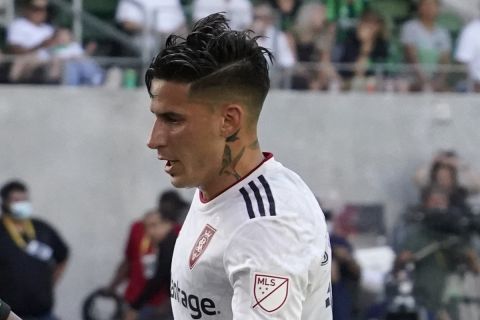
(437, 166)
(373, 15)
(215, 58)
(171, 205)
(8, 188)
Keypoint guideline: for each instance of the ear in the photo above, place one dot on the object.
(233, 115)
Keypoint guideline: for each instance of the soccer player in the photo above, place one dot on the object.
(254, 244)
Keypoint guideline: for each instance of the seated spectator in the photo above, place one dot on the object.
(29, 37)
(238, 12)
(468, 51)
(365, 45)
(313, 44)
(427, 46)
(78, 68)
(272, 38)
(149, 21)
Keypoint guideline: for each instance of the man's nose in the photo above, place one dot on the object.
(157, 136)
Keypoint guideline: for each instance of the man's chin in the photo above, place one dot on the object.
(178, 182)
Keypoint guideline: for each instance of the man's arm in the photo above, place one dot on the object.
(59, 271)
(16, 49)
(268, 263)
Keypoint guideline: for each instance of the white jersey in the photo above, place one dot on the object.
(259, 250)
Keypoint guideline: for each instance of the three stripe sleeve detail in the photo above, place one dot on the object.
(258, 198)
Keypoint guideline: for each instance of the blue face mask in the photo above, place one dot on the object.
(21, 210)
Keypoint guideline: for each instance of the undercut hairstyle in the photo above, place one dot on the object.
(217, 62)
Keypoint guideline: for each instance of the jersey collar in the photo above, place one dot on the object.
(267, 156)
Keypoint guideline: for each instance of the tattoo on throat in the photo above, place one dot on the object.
(229, 161)
(254, 145)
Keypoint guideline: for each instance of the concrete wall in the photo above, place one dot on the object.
(83, 153)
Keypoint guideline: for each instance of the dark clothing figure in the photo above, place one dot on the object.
(351, 53)
(27, 266)
(345, 283)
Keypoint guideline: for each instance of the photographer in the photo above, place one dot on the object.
(437, 243)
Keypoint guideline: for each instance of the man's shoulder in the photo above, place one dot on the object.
(41, 225)
(279, 193)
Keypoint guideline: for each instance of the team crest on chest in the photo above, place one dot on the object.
(270, 292)
(201, 244)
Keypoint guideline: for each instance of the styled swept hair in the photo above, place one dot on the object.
(215, 59)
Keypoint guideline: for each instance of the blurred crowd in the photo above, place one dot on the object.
(428, 269)
(362, 45)
(434, 269)
(34, 257)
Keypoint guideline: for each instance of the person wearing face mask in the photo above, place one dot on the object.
(33, 256)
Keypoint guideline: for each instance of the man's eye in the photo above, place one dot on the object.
(171, 119)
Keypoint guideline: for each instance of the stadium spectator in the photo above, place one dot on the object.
(149, 21)
(345, 273)
(427, 47)
(286, 12)
(163, 229)
(467, 177)
(272, 38)
(435, 252)
(444, 176)
(345, 10)
(33, 256)
(172, 204)
(468, 51)
(238, 12)
(147, 257)
(313, 43)
(365, 45)
(78, 68)
(29, 37)
(344, 15)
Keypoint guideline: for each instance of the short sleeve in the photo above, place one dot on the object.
(60, 248)
(267, 262)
